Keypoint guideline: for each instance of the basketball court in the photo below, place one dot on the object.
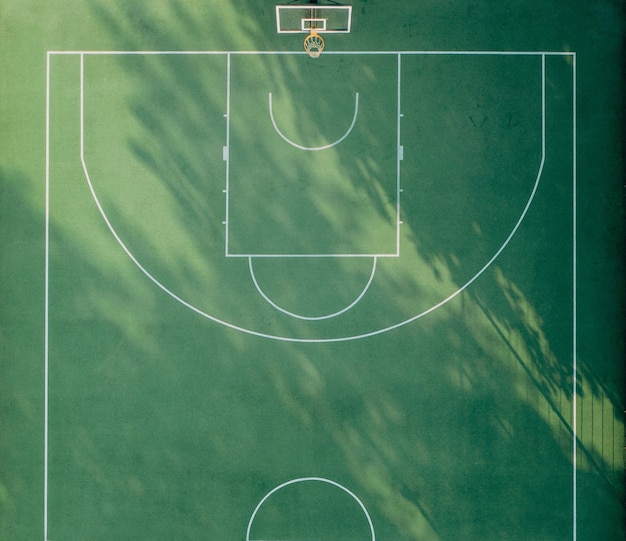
(327, 311)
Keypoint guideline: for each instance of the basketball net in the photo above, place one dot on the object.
(314, 44)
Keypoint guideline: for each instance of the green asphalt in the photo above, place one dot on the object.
(180, 362)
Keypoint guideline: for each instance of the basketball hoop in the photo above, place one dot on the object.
(313, 19)
(314, 44)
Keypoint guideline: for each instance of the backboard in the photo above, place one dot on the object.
(304, 18)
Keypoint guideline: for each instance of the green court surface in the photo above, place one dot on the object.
(256, 296)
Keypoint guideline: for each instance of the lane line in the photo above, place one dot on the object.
(282, 256)
(400, 157)
(227, 215)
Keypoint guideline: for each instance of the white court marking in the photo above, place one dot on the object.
(312, 318)
(574, 373)
(227, 154)
(261, 334)
(323, 147)
(306, 480)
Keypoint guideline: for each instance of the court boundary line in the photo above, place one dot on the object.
(323, 147)
(47, 309)
(574, 302)
(313, 318)
(283, 52)
(544, 54)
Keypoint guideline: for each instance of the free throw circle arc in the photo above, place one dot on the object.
(311, 480)
(323, 147)
(313, 318)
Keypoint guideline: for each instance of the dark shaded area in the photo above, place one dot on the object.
(21, 314)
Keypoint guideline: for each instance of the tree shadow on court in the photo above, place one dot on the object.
(21, 346)
(453, 427)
